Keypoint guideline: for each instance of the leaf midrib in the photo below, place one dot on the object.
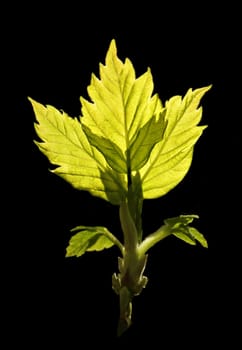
(164, 141)
(78, 147)
(124, 114)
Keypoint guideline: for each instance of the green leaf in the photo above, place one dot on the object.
(198, 236)
(139, 149)
(179, 227)
(112, 153)
(89, 239)
(124, 129)
(83, 166)
(143, 142)
(122, 114)
(171, 158)
(183, 220)
(184, 236)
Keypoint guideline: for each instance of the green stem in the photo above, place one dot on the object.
(128, 228)
(116, 241)
(125, 304)
(153, 238)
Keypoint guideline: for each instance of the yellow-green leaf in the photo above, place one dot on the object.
(89, 239)
(143, 142)
(121, 105)
(179, 227)
(198, 236)
(66, 145)
(171, 158)
(112, 153)
(124, 129)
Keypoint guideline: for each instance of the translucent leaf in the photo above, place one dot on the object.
(112, 153)
(184, 236)
(143, 143)
(89, 239)
(180, 220)
(171, 158)
(198, 236)
(124, 129)
(179, 227)
(122, 113)
(66, 145)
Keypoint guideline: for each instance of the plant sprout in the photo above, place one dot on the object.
(125, 147)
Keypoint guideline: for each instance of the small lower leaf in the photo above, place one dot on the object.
(184, 237)
(177, 221)
(179, 227)
(90, 239)
(198, 236)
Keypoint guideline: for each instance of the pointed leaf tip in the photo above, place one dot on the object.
(121, 106)
(125, 134)
(113, 44)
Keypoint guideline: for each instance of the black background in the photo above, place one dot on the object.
(51, 53)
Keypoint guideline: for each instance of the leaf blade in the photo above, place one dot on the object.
(65, 144)
(120, 106)
(179, 227)
(198, 236)
(145, 139)
(112, 153)
(171, 158)
(89, 239)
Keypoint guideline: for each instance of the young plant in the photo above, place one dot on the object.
(126, 147)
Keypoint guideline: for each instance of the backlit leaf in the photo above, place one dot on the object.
(143, 142)
(66, 145)
(122, 113)
(179, 227)
(198, 236)
(112, 153)
(89, 239)
(123, 129)
(171, 158)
